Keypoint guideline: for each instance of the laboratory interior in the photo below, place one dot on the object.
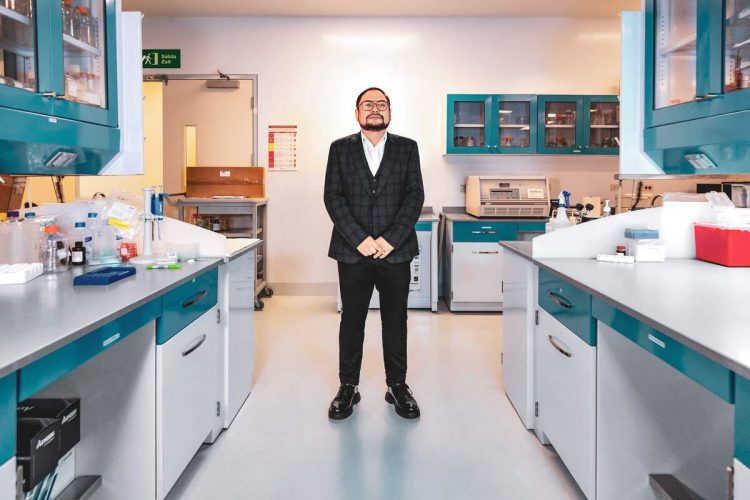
(391, 250)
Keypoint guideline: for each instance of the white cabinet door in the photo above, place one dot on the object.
(519, 301)
(566, 392)
(8, 479)
(477, 272)
(241, 335)
(186, 390)
(741, 481)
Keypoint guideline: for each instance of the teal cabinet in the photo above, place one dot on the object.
(573, 124)
(58, 78)
(469, 124)
(601, 129)
(697, 85)
(514, 124)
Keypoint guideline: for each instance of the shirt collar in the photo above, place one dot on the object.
(365, 140)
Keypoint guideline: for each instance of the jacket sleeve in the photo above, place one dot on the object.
(336, 203)
(411, 206)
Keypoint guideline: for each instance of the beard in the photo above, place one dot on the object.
(375, 127)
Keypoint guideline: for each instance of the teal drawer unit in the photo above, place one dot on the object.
(56, 365)
(531, 227)
(484, 232)
(707, 373)
(423, 226)
(8, 400)
(567, 304)
(186, 303)
(742, 420)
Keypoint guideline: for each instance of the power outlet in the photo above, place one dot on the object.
(462, 188)
(648, 187)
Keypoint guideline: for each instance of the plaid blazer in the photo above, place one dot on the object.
(359, 207)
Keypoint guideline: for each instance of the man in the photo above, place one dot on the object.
(374, 195)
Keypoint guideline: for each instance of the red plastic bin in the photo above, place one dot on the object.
(720, 245)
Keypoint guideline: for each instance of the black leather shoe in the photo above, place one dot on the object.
(401, 397)
(342, 405)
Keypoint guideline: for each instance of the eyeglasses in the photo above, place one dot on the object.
(370, 105)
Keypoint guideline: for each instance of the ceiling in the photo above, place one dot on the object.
(574, 8)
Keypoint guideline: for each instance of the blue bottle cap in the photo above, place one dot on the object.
(12, 213)
(80, 224)
(29, 215)
(93, 215)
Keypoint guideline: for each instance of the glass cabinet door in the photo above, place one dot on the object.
(737, 46)
(675, 52)
(19, 57)
(515, 120)
(603, 127)
(468, 124)
(560, 124)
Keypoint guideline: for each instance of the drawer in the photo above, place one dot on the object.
(423, 226)
(8, 400)
(566, 394)
(186, 303)
(484, 232)
(531, 227)
(742, 420)
(186, 394)
(224, 210)
(54, 366)
(568, 304)
(706, 372)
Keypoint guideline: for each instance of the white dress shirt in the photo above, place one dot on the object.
(374, 152)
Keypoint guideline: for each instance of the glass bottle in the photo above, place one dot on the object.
(76, 23)
(54, 251)
(84, 31)
(67, 15)
(72, 74)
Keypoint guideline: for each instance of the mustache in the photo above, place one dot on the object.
(375, 114)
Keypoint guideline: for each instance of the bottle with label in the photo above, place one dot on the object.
(84, 235)
(54, 251)
(78, 254)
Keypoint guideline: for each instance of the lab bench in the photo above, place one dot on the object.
(637, 374)
(241, 218)
(148, 360)
(473, 263)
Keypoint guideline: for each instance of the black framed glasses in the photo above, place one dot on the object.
(370, 105)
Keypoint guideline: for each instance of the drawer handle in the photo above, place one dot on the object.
(194, 347)
(484, 232)
(195, 299)
(557, 346)
(485, 252)
(656, 341)
(559, 300)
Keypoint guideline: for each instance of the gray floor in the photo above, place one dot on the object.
(469, 442)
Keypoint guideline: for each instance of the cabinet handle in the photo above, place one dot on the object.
(195, 299)
(560, 301)
(52, 95)
(707, 97)
(483, 252)
(194, 347)
(484, 232)
(557, 346)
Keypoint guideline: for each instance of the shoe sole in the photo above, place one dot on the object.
(348, 413)
(400, 412)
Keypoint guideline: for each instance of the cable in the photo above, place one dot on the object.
(637, 196)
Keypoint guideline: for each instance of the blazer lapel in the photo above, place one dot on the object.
(386, 165)
(361, 166)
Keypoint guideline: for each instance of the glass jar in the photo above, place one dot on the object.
(76, 23)
(72, 74)
(85, 27)
(54, 251)
(67, 17)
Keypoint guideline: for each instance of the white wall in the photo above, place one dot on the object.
(310, 71)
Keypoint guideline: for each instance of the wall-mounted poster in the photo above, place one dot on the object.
(282, 147)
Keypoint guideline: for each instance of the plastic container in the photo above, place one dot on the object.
(54, 251)
(727, 246)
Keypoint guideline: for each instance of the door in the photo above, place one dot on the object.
(560, 124)
(601, 131)
(205, 127)
(566, 392)
(83, 47)
(514, 124)
(469, 129)
(477, 272)
(24, 56)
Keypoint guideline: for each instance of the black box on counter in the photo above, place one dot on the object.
(37, 448)
(66, 410)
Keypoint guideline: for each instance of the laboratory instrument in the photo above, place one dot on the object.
(507, 196)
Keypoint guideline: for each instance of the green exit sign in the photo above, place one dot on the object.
(161, 58)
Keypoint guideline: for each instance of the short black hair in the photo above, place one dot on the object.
(359, 97)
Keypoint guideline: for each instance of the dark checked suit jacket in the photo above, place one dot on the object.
(360, 206)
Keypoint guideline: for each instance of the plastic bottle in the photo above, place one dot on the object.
(105, 248)
(561, 219)
(54, 251)
(84, 235)
(607, 210)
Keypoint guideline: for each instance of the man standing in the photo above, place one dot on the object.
(374, 196)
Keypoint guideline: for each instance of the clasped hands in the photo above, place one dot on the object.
(377, 249)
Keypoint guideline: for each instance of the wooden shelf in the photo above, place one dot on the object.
(683, 45)
(75, 46)
(12, 14)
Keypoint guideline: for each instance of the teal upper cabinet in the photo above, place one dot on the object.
(560, 124)
(514, 124)
(469, 124)
(530, 124)
(697, 86)
(58, 86)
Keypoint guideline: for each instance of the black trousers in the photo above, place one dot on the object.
(356, 282)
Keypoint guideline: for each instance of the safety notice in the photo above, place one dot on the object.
(282, 147)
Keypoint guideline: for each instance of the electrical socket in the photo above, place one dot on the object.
(648, 187)
(462, 188)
